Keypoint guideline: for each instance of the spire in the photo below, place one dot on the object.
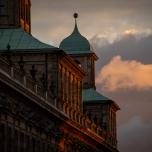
(75, 15)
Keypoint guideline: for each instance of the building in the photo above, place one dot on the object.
(48, 98)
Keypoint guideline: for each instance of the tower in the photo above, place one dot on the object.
(79, 48)
(100, 109)
(15, 13)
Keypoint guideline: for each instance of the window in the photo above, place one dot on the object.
(3, 8)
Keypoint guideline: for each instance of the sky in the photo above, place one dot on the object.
(120, 32)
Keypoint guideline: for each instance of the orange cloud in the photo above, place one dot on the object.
(130, 32)
(125, 74)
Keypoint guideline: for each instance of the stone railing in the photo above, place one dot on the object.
(24, 80)
(80, 119)
(83, 120)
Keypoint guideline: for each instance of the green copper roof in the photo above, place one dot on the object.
(17, 38)
(76, 43)
(91, 95)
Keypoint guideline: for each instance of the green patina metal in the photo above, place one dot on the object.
(76, 43)
(91, 95)
(18, 39)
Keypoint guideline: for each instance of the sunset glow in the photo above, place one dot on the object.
(120, 74)
(130, 32)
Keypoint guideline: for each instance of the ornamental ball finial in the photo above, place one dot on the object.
(75, 15)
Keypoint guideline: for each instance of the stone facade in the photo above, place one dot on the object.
(87, 62)
(42, 108)
(31, 120)
(15, 13)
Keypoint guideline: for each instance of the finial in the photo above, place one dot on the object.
(75, 15)
(8, 46)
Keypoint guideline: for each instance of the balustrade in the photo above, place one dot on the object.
(34, 87)
(23, 79)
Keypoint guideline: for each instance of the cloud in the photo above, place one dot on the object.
(95, 17)
(129, 46)
(130, 52)
(125, 74)
(135, 136)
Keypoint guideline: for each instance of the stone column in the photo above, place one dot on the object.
(80, 97)
(70, 88)
(66, 85)
(60, 81)
(74, 92)
(63, 84)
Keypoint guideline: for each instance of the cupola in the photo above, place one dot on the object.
(75, 42)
